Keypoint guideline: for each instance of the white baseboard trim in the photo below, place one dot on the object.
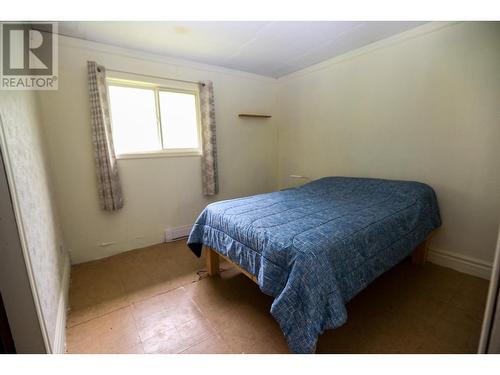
(60, 334)
(461, 263)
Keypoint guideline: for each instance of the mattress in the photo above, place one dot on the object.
(314, 247)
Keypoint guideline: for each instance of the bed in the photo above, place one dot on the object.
(314, 247)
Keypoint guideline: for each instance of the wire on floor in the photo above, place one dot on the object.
(202, 274)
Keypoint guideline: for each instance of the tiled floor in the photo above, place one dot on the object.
(152, 301)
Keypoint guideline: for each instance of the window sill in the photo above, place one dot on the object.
(158, 154)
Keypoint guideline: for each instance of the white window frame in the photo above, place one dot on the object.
(157, 88)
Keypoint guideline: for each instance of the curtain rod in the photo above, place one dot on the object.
(151, 76)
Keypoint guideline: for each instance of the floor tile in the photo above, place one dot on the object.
(211, 344)
(155, 300)
(195, 330)
(168, 342)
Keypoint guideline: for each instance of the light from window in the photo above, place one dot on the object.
(178, 120)
(153, 119)
(133, 113)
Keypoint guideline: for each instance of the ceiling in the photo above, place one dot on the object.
(269, 48)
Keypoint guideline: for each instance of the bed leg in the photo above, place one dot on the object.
(212, 262)
(420, 253)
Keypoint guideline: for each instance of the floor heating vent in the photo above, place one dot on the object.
(173, 234)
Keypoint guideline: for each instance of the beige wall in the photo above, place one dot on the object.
(36, 215)
(424, 105)
(159, 192)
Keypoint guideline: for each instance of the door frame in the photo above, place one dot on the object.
(491, 321)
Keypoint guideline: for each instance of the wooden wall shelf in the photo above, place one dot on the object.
(253, 115)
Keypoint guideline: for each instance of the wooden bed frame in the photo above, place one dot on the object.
(418, 257)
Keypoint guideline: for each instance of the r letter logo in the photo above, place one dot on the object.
(28, 56)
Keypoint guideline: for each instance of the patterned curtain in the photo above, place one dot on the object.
(108, 180)
(209, 173)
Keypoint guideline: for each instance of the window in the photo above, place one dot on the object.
(152, 120)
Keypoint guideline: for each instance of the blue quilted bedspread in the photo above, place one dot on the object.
(314, 247)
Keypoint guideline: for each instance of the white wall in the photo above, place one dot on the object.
(424, 105)
(36, 215)
(158, 192)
